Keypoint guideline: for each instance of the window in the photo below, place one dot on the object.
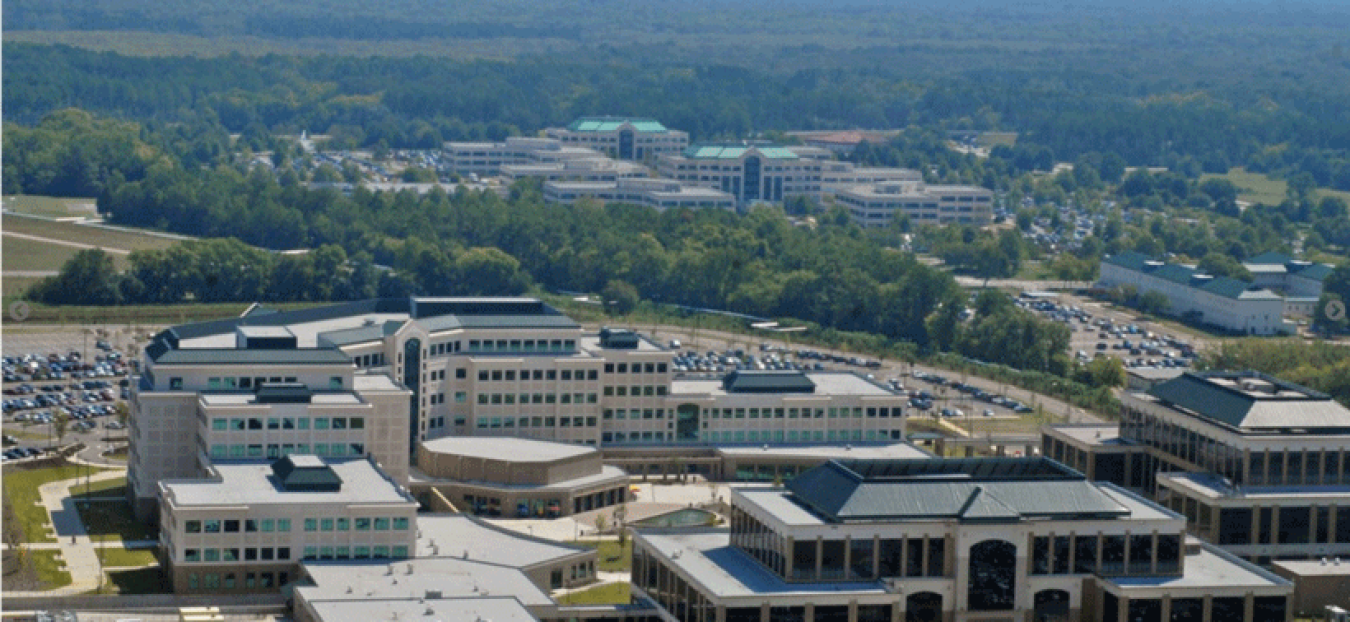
(335, 382)
(192, 555)
(220, 424)
(283, 524)
(321, 423)
(381, 524)
(311, 524)
(211, 526)
(232, 526)
(401, 523)
(363, 524)
(343, 524)
(192, 526)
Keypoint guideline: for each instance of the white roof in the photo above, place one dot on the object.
(447, 535)
(496, 609)
(827, 384)
(503, 448)
(356, 581)
(894, 452)
(251, 483)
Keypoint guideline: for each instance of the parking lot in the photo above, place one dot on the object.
(1095, 334)
(63, 372)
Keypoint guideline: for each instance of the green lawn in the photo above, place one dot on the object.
(994, 139)
(56, 207)
(139, 581)
(106, 488)
(109, 521)
(84, 234)
(113, 558)
(25, 254)
(14, 286)
(1257, 188)
(608, 594)
(48, 566)
(21, 490)
(611, 557)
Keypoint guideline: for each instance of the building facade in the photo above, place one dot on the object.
(952, 540)
(755, 173)
(246, 526)
(661, 194)
(1257, 465)
(622, 138)
(1222, 302)
(877, 205)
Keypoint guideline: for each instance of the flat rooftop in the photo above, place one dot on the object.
(1210, 486)
(249, 399)
(496, 609)
(357, 581)
(1333, 567)
(505, 448)
(827, 384)
(591, 343)
(727, 572)
(1092, 434)
(607, 474)
(895, 451)
(458, 536)
(1210, 570)
(253, 483)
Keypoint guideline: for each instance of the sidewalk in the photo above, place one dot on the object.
(72, 540)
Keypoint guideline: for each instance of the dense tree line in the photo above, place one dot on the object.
(1317, 365)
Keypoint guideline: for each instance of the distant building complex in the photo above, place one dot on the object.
(1222, 302)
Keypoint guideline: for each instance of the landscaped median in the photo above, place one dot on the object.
(23, 498)
(607, 594)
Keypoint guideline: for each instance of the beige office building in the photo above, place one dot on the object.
(877, 205)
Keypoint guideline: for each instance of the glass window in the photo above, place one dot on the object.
(362, 524)
(400, 523)
(211, 526)
(311, 524)
(343, 524)
(1085, 554)
(381, 524)
(192, 526)
(283, 524)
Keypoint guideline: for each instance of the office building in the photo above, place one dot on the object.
(951, 540)
(661, 194)
(754, 173)
(877, 205)
(622, 138)
(1257, 465)
(379, 377)
(245, 526)
(1222, 302)
(488, 158)
(517, 477)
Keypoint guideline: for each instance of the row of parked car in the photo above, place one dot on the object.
(53, 366)
(973, 391)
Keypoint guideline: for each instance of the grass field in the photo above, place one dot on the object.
(124, 558)
(608, 594)
(611, 557)
(113, 521)
(105, 488)
(48, 566)
(22, 254)
(1257, 188)
(15, 286)
(141, 581)
(85, 234)
(56, 207)
(21, 490)
(994, 139)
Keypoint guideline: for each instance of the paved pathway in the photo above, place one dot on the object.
(72, 540)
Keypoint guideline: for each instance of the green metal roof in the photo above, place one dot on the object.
(1235, 289)
(1317, 272)
(1252, 401)
(735, 151)
(997, 489)
(1271, 258)
(610, 124)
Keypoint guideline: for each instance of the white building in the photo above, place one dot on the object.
(761, 172)
(489, 158)
(246, 526)
(622, 138)
(876, 205)
(661, 194)
(1222, 302)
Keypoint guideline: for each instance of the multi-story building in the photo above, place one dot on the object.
(245, 526)
(1257, 465)
(489, 158)
(622, 137)
(233, 391)
(755, 173)
(661, 194)
(1223, 302)
(951, 540)
(597, 170)
(1289, 276)
(877, 205)
(379, 377)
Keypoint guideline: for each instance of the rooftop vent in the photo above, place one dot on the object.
(305, 473)
(618, 339)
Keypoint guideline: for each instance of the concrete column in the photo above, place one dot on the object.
(1207, 610)
(1166, 607)
(818, 560)
(1248, 606)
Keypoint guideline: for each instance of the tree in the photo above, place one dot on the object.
(619, 298)
(1301, 187)
(600, 523)
(122, 413)
(1219, 264)
(87, 278)
(60, 425)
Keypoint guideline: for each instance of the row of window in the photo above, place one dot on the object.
(250, 554)
(1292, 525)
(645, 413)
(222, 424)
(637, 368)
(246, 382)
(369, 360)
(510, 375)
(1127, 554)
(522, 345)
(636, 391)
(507, 423)
(277, 450)
(857, 412)
(356, 552)
(229, 580)
(397, 523)
(248, 525)
(536, 398)
(753, 436)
